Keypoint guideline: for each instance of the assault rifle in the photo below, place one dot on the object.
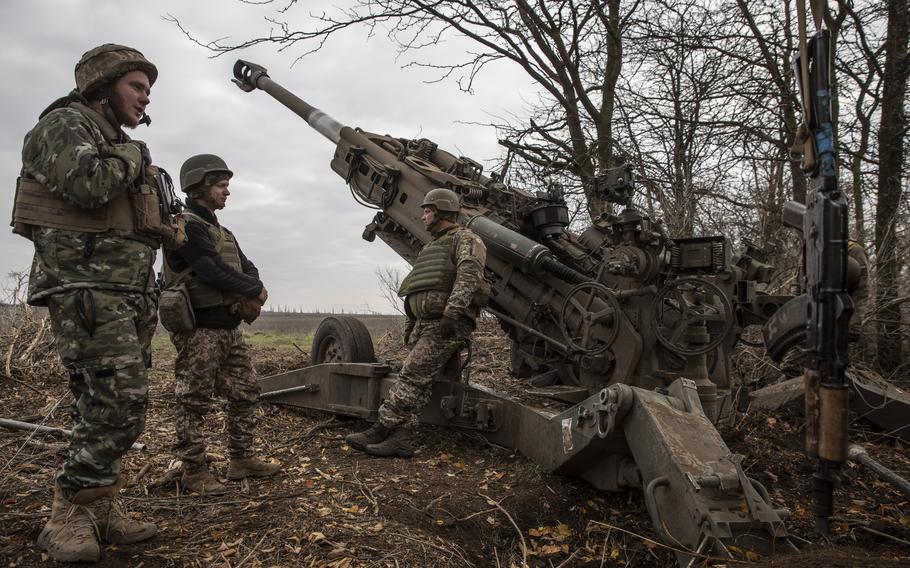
(829, 306)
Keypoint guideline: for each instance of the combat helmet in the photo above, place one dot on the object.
(195, 168)
(442, 199)
(109, 61)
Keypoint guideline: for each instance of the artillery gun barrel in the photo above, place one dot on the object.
(249, 76)
(521, 250)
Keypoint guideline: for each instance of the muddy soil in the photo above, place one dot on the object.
(458, 502)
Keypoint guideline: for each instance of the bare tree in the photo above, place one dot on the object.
(571, 49)
(700, 97)
(892, 135)
(389, 282)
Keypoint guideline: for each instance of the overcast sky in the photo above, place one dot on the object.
(293, 216)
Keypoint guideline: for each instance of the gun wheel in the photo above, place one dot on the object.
(342, 339)
(589, 308)
(688, 302)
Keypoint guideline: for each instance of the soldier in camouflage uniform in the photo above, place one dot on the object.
(224, 289)
(79, 199)
(443, 295)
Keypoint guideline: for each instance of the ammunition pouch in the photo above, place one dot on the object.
(175, 310)
(137, 212)
(35, 205)
(154, 212)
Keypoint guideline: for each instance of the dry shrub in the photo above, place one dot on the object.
(271, 361)
(27, 344)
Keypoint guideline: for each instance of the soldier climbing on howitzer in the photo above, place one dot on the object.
(443, 295)
(96, 209)
(211, 287)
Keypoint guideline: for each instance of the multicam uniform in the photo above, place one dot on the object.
(447, 281)
(213, 357)
(93, 270)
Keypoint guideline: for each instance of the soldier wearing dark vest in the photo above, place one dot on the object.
(224, 289)
(91, 201)
(443, 295)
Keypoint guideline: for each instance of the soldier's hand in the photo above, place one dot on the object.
(247, 309)
(408, 330)
(448, 329)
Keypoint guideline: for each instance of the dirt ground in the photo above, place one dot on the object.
(458, 502)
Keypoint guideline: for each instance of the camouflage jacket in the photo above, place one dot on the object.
(200, 256)
(469, 255)
(67, 153)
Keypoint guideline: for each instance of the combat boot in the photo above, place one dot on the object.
(114, 524)
(69, 535)
(372, 435)
(200, 480)
(241, 468)
(398, 444)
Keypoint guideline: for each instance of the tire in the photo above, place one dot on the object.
(342, 339)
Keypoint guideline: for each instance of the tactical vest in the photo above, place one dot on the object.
(433, 269)
(135, 214)
(201, 294)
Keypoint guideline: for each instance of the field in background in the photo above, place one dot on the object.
(287, 331)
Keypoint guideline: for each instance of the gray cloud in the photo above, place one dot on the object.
(294, 217)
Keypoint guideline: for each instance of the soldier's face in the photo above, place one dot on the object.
(129, 97)
(429, 217)
(216, 196)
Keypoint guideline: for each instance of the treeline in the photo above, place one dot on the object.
(699, 97)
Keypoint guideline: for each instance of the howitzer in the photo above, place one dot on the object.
(630, 329)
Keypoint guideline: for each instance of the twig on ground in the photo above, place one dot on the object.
(524, 546)
(877, 533)
(603, 556)
(247, 557)
(472, 515)
(298, 348)
(138, 477)
(436, 500)
(168, 478)
(309, 433)
(33, 432)
(437, 547)
(18, 382)
(34, 343)
(367, 493)
(569, 559)
(665, 546)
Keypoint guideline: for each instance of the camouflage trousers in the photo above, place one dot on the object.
(427, 357)
(104, 340)
(209, 362)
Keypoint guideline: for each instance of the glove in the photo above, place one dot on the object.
(408, 330)
(247, 309)
(448, 329)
